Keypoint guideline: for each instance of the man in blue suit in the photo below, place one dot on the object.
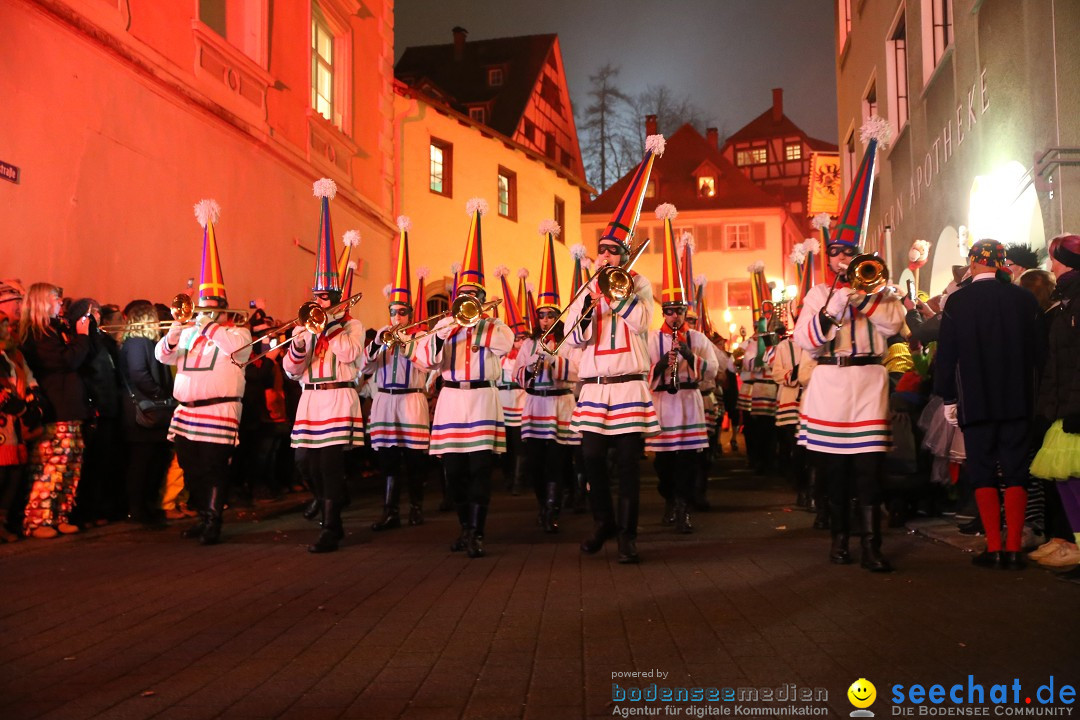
(987, 356)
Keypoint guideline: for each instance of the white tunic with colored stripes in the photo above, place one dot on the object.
(547, 417)
(402, 419)
(845, 410)
(467, 420)
(681, 414)
(511, 394)
(204, 370)
(787, 362)
(615, 343)
(762, 389)
(328, 417)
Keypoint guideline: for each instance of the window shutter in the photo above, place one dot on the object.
(757, 235)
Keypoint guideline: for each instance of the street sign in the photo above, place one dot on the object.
(9, 172)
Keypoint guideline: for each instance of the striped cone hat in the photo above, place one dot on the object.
(549, 278)
(672, 292)
(511, 310)
(577, 251)
(420, 306)
(472, 265)
(401, 290)
(686, 262)
(854, 216)
(759, 289)
(346, 266)
(327, 278)
(624, 220)
(211, 282)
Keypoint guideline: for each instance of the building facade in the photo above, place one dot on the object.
(733, 221)
(981, 96)
(470, 120)
(121, 114)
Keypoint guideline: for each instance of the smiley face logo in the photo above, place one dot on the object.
(862, 694)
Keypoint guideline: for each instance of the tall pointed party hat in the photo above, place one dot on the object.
(420, 304)
(623, 221)
(511, 312)
(686, 262)
(211, 281)
(549, 278)
(704, 321)
(854, 216)
(803, 255)
(472, 265)
(821, 222)
(326, 271)
(531, 318)
(455, 270)
(346, 265)
(523, 299)
(759, 288)
(577, 251)
(672, 292)
(401, 292)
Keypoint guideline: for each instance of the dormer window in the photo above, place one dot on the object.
(478, 115)
(650, 188)
(495, 77)
(706, 186)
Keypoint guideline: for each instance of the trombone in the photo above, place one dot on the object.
(867, 273)
(310, 315)
(613, 281)
(182, 309)
(466, 311)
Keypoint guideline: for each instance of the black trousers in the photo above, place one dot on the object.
(101, 491)
(469, 476)
(851, 476)
(625, 452)
(1003, 444)
(676, 471)
(392, 460)
(546, 464)
(145, 474)
(14, 488)
(324, 468)
(206, 467)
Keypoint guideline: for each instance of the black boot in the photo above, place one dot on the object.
(518, 480)
(476, 537)
(682, 518)
(669, 512)
(447, 503)
(701, 482)
(216, 502)
(332, 532)
(580, 494)
(551, 509)
(628, 511)
(195, 531)
(838, 522)
(390, 518)
(416, 499)
(818, 503)
(871, 539)
(462, 543)
(313, 509)
(602, 532)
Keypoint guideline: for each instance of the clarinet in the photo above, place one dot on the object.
(673, 379)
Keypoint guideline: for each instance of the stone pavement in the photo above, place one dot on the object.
(142, 624)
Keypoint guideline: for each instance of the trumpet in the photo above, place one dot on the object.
(614, 282)
(310, 315)
(866, 273)
(466, 311)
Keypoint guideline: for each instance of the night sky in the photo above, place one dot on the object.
(727, 54)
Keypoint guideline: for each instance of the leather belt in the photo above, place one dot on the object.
(849, 360)
(468, 385)
(550, 393)
(511, 386)
(328, 386)
(613, 379)
(400, 391)
(210, 401)
(682, 386)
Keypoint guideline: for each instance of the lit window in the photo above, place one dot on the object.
(896, 67)
(706, 186)
(478, 115)
(560, 217)
(753, 156)
(937, 28)
(844, 13)
(737, 236)
(322, 68)
(738, 293)
(495, 77)
(507, 194)
(441, 164)
(793, 151)
(650, 189)
(869, 104)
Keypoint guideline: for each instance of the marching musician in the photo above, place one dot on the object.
(400, 424)
(615, 409)
(680, 358)
(468, 428)
(844, 420)
(511, 394)
(548, 380)
(209, 387)
(329, 419)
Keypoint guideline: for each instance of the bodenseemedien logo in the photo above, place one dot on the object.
(862, 694)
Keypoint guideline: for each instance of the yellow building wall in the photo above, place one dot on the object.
(440, 224)
(717, 266)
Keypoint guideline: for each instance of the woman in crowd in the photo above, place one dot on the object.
(17, 386)
(145, 379)
(55, 351)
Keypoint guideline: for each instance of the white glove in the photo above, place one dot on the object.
(950, 414)
(173, 338)
(838, 303)
(444, 327)
(300, 343)
(202, 320)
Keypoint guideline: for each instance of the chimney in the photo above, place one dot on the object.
(650, 125)
(777, 104)
(460, 34)
(713, 136)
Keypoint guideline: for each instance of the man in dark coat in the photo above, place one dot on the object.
(988, 351)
